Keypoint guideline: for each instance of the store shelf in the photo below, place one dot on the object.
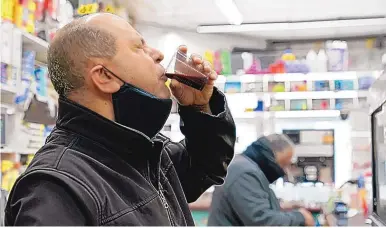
(296, 77)
(7, 150)
(173, 118)
(33, 43)
(306, 94)
(7, 88)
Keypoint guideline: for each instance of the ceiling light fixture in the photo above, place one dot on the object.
(230, 11)
(291, 26)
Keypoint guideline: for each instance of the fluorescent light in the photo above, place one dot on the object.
(230, 11)
(290, 26)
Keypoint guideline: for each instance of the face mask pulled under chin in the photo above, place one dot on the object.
(140, 110)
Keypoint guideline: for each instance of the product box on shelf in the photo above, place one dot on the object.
(321, 86)
(277, 105)
(298, 86)
(345, 103)
(252, 87)
(320, 104)
(298, 104)
(24, 15)
(7, 10)
(232, 87)
(344, 84)
(276, 87)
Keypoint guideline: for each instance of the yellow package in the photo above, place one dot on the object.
(7, 10)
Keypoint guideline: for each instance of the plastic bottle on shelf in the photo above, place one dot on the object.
(322, 61)
(311, 59)
(288, 55)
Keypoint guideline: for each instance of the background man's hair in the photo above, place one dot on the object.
(73, 45)
(279, 142)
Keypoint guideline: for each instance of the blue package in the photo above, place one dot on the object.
(41, 81)
(260, 106)
(232, 87)
(364, 83)
(344, 84)
(322, 85)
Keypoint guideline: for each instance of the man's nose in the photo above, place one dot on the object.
(157, 55)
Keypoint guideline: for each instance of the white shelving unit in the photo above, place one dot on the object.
(12, 44)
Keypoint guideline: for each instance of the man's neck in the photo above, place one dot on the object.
(102, 107)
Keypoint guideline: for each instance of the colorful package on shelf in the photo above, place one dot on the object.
(52, 7)
(232, 87)
(288, 55)
(343, 103)
(298, 86)
(296, 66)
(10, 175)
(7, 10)
(251, 65)
(321, 85)
(24, 15)
(298, 105)
(320, 104)
(276, 87)
(39, 12)
(364, 83)
(217, 62)
(344, 84)
(226, 63)
(4, 73)
(41, 81)
(277, 105)
(209, 56)
(277, 67)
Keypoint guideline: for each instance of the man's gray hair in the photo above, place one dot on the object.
(279, 142)
(72, 46)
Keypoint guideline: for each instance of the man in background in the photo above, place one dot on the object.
(106, 163)
(246, 199)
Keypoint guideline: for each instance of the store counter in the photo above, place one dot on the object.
(357, 220)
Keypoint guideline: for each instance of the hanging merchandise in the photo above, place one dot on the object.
(10, 173)
(209, 56)
(226, 63)
(7, 10)
(24, 15)
(217, 62)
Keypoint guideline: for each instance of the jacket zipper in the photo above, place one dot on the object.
(166, 205)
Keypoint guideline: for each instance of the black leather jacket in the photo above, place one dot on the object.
(92, 171)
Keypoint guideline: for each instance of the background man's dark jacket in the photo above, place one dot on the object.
(245, 199)
(92, 171)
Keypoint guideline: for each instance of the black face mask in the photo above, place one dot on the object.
(140, 110)
(261, 154)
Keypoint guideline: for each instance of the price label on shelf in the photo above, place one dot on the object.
(88, 9)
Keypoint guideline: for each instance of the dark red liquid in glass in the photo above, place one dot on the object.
(197, 82)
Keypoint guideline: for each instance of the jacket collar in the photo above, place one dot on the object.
(78, 119)
(261, 153)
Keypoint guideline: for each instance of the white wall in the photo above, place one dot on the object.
(168, 39)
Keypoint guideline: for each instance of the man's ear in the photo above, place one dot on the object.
(103, 80)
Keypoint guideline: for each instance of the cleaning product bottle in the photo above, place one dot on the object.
(311, 60)
(322, 61)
